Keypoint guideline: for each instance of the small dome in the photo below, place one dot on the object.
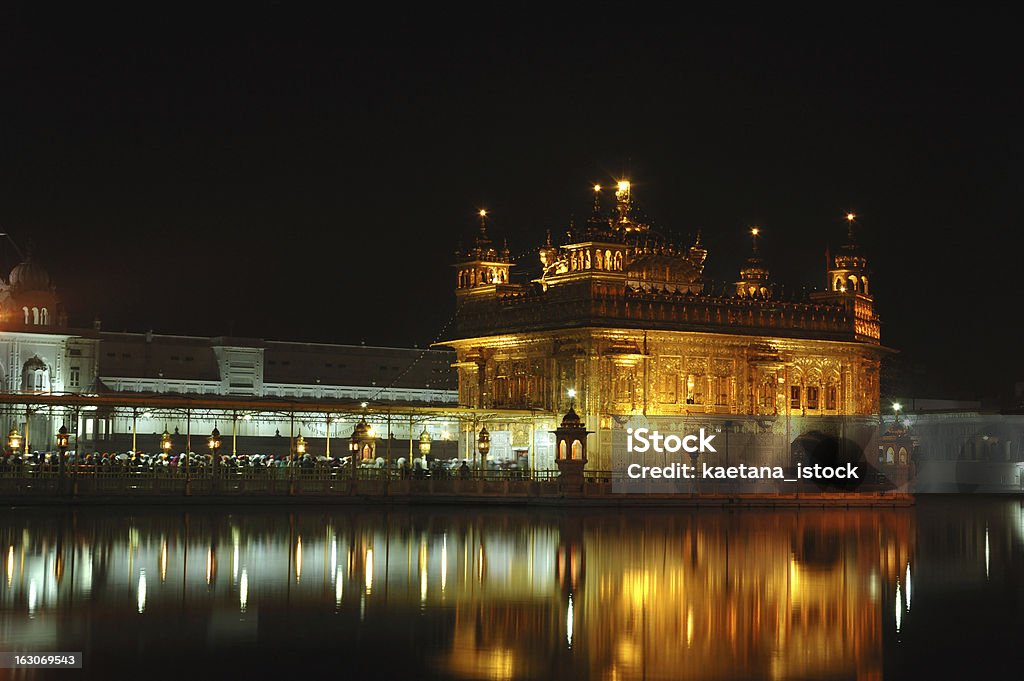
(571, 419)
(897, 429)
(29, 276)
(362, 430)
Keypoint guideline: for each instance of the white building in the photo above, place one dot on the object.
(40, 354)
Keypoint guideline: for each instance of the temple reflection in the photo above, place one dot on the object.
(600, 595)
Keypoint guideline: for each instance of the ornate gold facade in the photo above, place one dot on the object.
(624, 317)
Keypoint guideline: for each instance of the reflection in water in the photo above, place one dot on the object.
(495, 595)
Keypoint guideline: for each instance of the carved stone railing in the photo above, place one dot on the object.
(603, 306)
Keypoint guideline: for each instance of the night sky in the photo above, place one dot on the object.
(308, 177)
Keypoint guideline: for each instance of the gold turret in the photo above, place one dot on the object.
(753, 281)
(482, 266)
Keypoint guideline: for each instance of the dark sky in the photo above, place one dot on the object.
(300, 176)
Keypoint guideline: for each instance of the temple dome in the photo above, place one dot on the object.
(29, 276)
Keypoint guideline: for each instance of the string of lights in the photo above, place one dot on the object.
(421, 355)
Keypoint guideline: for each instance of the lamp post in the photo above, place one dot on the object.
(424, 446)
(214, 443)
(300, 445)
(14, 440)
(165, 442)
(483, 445)
(361, 438)
(62, 447)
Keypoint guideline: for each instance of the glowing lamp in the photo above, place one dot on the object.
(14, 439)
(424, 442)
(300, 445)
(214, 440)
(483, 443)
(62, 438)
(165, 441)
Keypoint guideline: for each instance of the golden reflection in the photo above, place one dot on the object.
(369, 571)
(899, 608)
(444, 563)
(689, 626)
(334, 558)
(678, 595)
(423, 570)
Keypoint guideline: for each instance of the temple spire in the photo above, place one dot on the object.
(483, 223)
(753, 281)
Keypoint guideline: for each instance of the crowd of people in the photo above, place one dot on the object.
(171, 464)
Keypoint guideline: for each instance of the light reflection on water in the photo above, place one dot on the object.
(470, 594)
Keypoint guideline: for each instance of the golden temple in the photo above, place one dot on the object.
(626, 319)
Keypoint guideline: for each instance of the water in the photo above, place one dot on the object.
(455, 593)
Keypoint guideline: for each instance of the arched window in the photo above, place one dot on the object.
(600, 260)
(903, 456)
(25, 310)
(864, 284)
(561, 450)
(618, 261)
(853, 283)
(44, 317)
(838, 284)
(577, 449)
(889, 455)
(35, 316)
(832, 393)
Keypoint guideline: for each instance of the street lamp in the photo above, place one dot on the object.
(424, 445)
(362, 437)
(62, 447)
(483, 444)
(165, 442)
(14, 440)
(214, 443)
(896, 408)
(300, 445)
